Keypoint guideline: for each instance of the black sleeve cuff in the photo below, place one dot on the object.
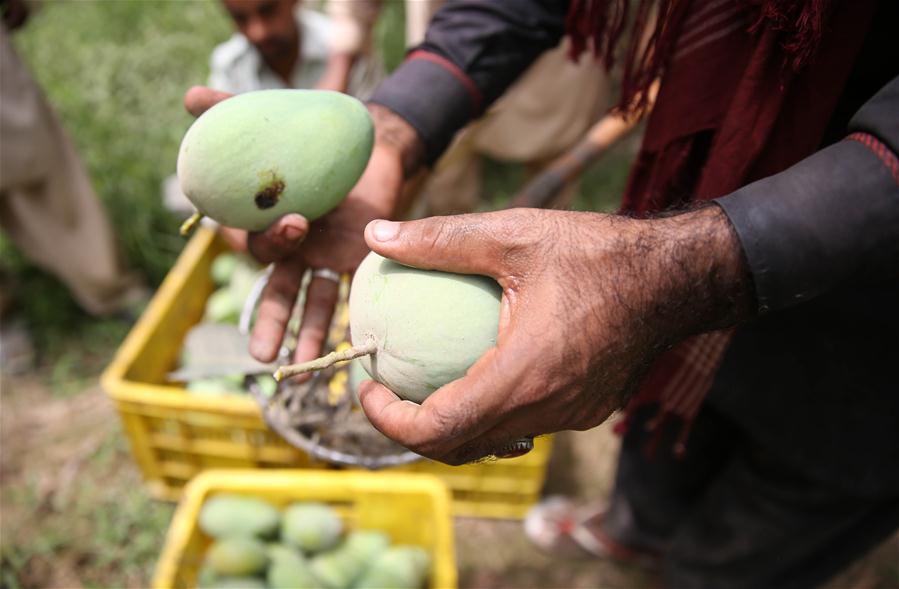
(830, 219)
(431, 98)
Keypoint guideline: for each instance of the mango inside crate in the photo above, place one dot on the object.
(175, 435)
(411, 509)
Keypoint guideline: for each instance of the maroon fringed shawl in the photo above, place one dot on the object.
(747, 90)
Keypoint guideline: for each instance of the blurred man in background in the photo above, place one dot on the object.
(282, 44)
(47, 206)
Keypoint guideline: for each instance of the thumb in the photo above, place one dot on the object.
(467, 244)
(199, 99)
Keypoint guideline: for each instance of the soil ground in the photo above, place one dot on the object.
(74, 513)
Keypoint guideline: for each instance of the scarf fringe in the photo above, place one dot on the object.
(600, 24)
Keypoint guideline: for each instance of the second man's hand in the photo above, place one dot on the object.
(588, 301)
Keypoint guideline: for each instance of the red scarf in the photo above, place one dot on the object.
(748, 89)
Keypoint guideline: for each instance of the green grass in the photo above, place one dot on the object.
(104, 527)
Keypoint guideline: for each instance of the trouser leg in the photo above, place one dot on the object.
(762, 524)
(47, 205)
(655, 489)
(61, 226)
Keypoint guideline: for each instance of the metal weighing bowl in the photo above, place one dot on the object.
(275, 416)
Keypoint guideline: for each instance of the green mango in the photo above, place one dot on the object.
(356, 376)
(339, 568)
(206, 577)
(222, 268)
(225, 385)
(399, 567)
(222, 307)
(267, 384)
(241, 284)
(235, 515)
(288, 569)
(238, 556)
(364, 545)
(259, 155)
(333, 570)
(239, 583)
(429, 326)
(311, 527)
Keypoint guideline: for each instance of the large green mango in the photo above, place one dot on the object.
(257, 156)
(234, 515)
(429, 326)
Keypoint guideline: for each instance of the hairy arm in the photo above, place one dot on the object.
(588, 301)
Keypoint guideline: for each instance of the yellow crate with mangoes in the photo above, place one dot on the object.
(410, 509)
(175, 435)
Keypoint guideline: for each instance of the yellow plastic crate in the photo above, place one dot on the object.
(175, 435)
(411, 509)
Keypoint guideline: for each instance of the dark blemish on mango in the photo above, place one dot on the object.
(268, 195)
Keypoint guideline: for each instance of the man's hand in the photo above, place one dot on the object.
(336, 76)
(588, 301)
(334, 242)
(15, 13)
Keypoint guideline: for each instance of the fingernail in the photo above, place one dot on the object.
(385, 230)
(260, 350)
(291, 233)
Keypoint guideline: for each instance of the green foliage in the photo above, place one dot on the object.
(390, 33)
(116, 73)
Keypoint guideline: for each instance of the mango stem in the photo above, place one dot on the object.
(190, 223)
(365, 349)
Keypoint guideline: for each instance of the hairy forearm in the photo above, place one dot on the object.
(670, 277)
(701, 276)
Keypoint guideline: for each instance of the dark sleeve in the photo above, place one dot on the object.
(831, 219)
(472, 52)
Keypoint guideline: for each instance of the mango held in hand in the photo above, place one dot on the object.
(257, 156)
(415, 330)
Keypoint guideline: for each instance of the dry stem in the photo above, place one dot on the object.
(190, 223)
(369, 347)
